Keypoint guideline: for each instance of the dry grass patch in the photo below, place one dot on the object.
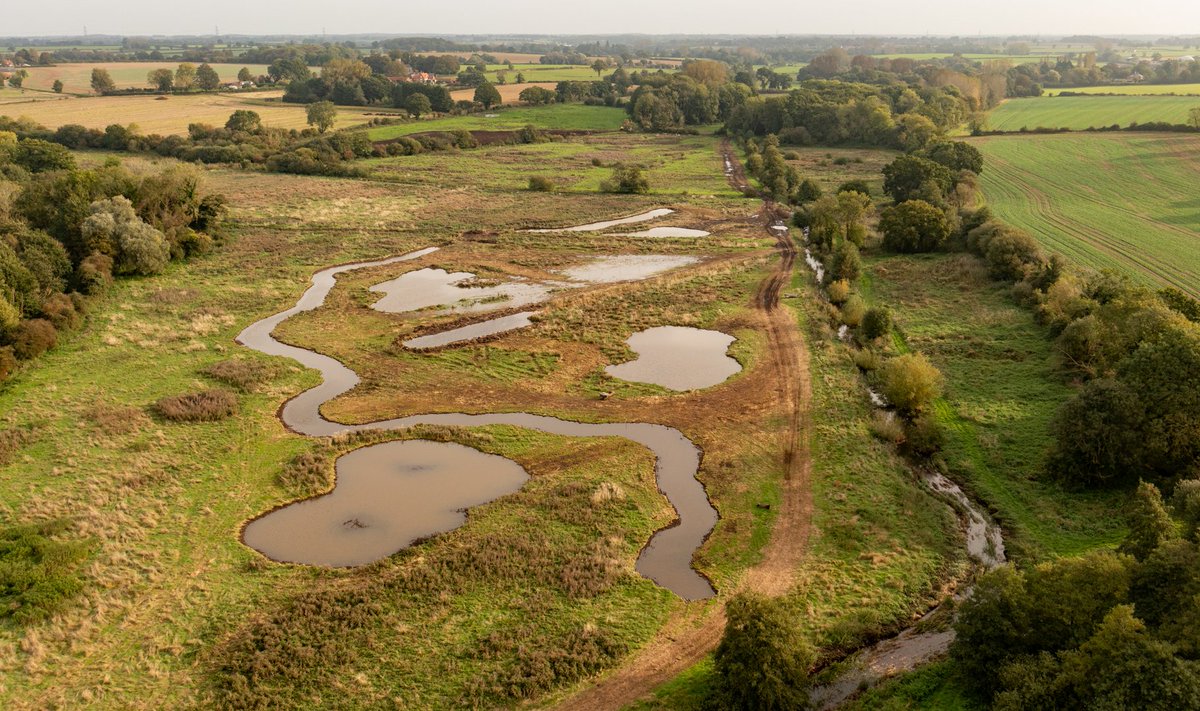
(204, 406)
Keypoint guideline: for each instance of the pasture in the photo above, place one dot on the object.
(544, 72)
(171, 114)
(509, 93)
(1123, 201)
(576, 117)
(77, 78)
(1080, 112)
(1134, 89)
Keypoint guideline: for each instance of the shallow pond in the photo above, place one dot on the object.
(471, 332)
(387, 496)
(628, 267)
(678, 358)
(597, 226)
(426, 288)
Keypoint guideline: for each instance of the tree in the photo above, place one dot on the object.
(909, 177)
(845, 262)
(706, 71)
(910, 382)
(417, 105)
(244, 74)
(161, 79)
(39, 156)
(536, 95)
(877, 323)
(626, 178)
(185, 76)
(1186, 504)
(57, 86)
(763, 660)
(1149, 523)
(244, 120)
(102, 81)
(17, 78)
(322, 114)
(487, 95)
(599, 66)
(1097, 436)
(116, 229)
(851, 210)
(1194, 117)
(914, 226)
(207, 78)
(956, 155)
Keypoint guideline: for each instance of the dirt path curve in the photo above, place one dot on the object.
(694, 632)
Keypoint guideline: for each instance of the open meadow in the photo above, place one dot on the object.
(1080, 112)
(1123, 201)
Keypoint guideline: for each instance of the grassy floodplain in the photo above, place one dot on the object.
(1080, 112)
(1123, 201)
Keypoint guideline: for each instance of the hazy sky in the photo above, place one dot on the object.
(942, 17)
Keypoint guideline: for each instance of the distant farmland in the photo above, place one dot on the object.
(1080, 112)
(77, 78)
(1134, 89)
(562, 116)
(172, 114)
(1125, 201)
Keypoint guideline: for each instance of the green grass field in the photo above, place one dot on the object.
(1002, 390)
(1124, 201)
(1134, 89)
(1080, 112)
(576, 117)
(544, 72)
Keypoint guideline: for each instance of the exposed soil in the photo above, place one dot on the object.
(693, 633)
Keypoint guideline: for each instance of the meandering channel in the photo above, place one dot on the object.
(666, 558)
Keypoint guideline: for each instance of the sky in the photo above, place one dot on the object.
(400, 17)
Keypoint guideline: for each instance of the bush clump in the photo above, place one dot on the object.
(241, 374)
(763, 660)
(877, 323)
(910, 382)
(38, 575)
(628, 179)
(541, 184)
(307, 473)
(204, 406)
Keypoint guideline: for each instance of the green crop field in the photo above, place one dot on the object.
(544, 72)
(1080, 112)
(576, 117)
(1135, 89)
(1126, 201)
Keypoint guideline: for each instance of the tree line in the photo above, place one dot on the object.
(69, 231)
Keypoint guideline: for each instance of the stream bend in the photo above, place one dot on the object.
(667, 557)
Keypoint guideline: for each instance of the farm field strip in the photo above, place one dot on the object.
(558, 116)
(77, 78)
(1133, 89)
(1124, 202)
(1080, 112)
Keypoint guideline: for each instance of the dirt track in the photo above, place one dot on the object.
(691, 634)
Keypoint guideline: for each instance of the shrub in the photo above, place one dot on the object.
(886, 427)
(855, 186)
(914, 226)
(8, 362)
(924, 437)
(838, 291)
(307, 473)
(627, 179)
(762, 661)
(1012, 255)
(541, 184)
(853, 311)
(205, 406)
(243, 374)
(32, 338)
(911, 382)
(868, 360)
(38, 575)
(94, 273)
(877, 323)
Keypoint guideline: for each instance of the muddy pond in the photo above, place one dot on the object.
(387, 496)
(678, 358)
(328, 523)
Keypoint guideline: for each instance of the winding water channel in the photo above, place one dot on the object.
(667, 557)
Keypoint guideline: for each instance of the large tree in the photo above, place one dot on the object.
(207, 78)
(102, 81)
(322, 114)
(487, 95)
(161, 79)
(762, 661)
(914, 226)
